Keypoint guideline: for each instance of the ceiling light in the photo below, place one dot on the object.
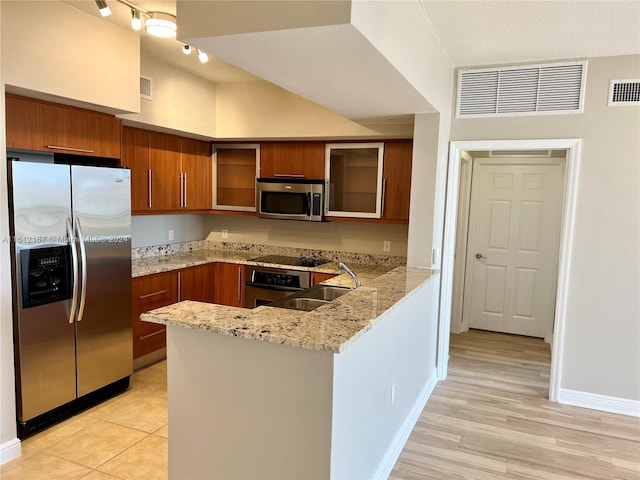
(202, 56)
(105, 11)
(136, 20)
(186, 49)
(161, 25)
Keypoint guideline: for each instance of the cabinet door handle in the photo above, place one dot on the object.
(69, 149)
(289, 175)
(384, 198)
(179, 286)
(239, 283)
(159, 292)
(143, 337)
(185, 189)
(149, 182)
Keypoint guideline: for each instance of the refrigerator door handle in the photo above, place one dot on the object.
(74, 262)
(83, 259)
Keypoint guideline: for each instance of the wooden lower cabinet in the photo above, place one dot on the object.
(149, 292)
(197, 283)
(229, 285)
(319, 277)
(161, 289)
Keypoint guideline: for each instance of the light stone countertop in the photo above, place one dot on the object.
(176, 261)
(331, 327)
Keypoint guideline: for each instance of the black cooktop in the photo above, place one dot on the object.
(293, 261)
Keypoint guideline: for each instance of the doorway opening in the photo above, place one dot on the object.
(457, 157)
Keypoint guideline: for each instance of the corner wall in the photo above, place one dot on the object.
(182, 102)
(9, 443)
(602, 333)
(55, 49)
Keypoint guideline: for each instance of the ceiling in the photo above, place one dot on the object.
(497, 32)
(473, 32)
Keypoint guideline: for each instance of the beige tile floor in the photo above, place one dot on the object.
(123, 438)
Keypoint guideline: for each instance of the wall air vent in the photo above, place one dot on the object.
(624, 92)
(145, 88)
(528, 90)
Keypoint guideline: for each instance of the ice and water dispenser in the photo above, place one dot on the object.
(46, 275)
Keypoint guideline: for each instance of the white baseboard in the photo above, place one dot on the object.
(10, 450)
(393, 452)
(603, 403)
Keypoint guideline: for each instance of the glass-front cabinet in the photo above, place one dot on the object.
(235, 168)
(354, 173)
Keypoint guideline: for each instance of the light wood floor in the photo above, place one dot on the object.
(491, 419)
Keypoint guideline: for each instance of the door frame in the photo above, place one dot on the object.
(467, 271)
(572, 169)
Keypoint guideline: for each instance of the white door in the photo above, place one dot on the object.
(512, 251)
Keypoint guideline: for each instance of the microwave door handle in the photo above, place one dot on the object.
(308, 204)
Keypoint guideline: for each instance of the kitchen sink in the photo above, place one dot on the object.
(311, 298)
(326, 292)
(303, 303)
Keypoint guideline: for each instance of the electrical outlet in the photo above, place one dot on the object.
(435, 256)
(170, 235)
(392, 398)
(386, 246)
(225, 233)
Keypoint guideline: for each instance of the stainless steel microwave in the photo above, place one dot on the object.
(290, 199)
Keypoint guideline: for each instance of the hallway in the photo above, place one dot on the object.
(491, 419)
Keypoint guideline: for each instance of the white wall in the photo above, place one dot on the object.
(399, 351)
(55, 49)
(259, 109)
(9, 446)
(182, 102)
(359, 237)
(602, 345)
(414, 49)
(148, 230)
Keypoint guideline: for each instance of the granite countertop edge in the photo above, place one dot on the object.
(330, 328)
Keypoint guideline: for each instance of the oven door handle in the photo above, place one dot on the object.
(273, 287)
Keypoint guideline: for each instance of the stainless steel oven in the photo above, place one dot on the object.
(266, 284)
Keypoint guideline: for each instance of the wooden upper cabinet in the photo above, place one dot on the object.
(397, 180)
(25, 123)
(196, 174)
(37, 125)
(292, 160)
(164, 163)
(234, 184)
(135, 156)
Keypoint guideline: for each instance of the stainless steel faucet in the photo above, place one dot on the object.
(353, 275)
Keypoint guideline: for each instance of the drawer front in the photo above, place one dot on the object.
(149, 292)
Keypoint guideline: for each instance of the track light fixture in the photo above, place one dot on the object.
(104, 9)
(136, 19)
(161, 25)
(158, 24)
(202, 56)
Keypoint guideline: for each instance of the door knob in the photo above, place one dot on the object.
(480, 256)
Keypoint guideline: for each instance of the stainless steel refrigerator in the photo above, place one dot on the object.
(71, 239)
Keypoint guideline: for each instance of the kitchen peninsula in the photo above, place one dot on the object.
(276, 393)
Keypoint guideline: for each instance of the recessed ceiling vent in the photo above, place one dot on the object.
(624, 92)
(145, 88)
(530, 90)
